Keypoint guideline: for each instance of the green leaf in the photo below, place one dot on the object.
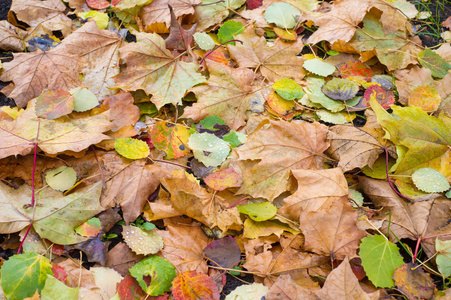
(282, 14)
(380, 258)
(54, 104)
(131, 148)
(340, 89)
(161, 271)
(208, 148)
(330, 117)
(229, 30)
(147, 108)
(23, 274)
(434, 62)
(55, 289)
(234, 138)
(288, 89)
(317, 96)
(430, 181)
(258, 211)
(443, 259)
(212, 12)
(84, 99)
(318, 67)
(204, 41)
(61, 179)
(210, 121)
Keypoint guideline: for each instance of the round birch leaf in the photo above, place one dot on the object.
(84, 99)
(380, 257)
(282, 14)
(430, 181)
(131, 148)
(161, 271)
(448, 194)
(443, 259)
(357, 197)
(229, 30)
(142, 241)
(204, 41)
(208, 148)
(61, 179)
(330, 117)
(55, 289)
(258, 211)
(252, 291)
(318, 67)
(340, 89)
(288, 89)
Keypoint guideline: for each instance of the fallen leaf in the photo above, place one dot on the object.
(224, 252)
(212, 13)
(191, 285)
(414, 282)
(158, 11)
(122, 110)
(285, 289)
(179, 38)
(11, 37)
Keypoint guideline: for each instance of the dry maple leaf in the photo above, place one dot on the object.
(11, 37)
(44, 17)
(228, 94)
(158, 11)
(332, 231)
(275, 62)
(317, 189)
(99, 54)
(286, 289)
(33, 72)
(151, 67)
(189, 198)
(408, 79)
(184, 243)
(408, 220)
(340, 23)
(74, 132)
(270, 154)
(342, 284)
(353, 147)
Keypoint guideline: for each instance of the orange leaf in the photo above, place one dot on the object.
(223, 179)
(425, 97)
(192, 285)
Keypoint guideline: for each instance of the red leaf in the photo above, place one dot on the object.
(191, 285)
(383, 96)
(223, 179)
(355, 68)
(253, 4)
(59, 272)
(129, 289)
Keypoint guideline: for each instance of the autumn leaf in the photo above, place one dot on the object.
(158, 11)
(274, 63)
(191, 285)
(227, 94)
(151, 67)
(279, 149)
(211, 13)
(170, 138)
(123, 112)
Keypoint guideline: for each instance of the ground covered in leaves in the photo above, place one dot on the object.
(158, 149)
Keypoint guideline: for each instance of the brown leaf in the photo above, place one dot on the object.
(274, 63)
(407, 80)
(11, 37)
(317, 189)
(227, 95)
(158, 11)
(270, 154)
(285, 289)
(43, 17)
(408, 220)
(184, 243)
(332, 231)
(122, 110)
(179, 38)
(190, 199)
(353, 147)
(121, 258)
(342, 284)
(33, 72)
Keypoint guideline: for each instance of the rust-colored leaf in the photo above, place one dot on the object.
(191, 285)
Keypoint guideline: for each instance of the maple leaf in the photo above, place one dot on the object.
(408, 79)
(189, 198)
(52, 207)
(179, 38)
(151, 67)
(98, 51)
(158, 11)
(122, 110)
(279, 149)
(286, 289)
(69, 133)
(191, 285)
(11, 37)
(332, 231)
(44, 17)
(407, 220)
(276, 62)
(33, 72)
(317, 189)
(341, 283)
(228, 94)
(184, 244)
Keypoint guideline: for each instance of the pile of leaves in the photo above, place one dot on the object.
(220, 137)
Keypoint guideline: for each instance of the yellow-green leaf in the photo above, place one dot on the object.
(131, 148)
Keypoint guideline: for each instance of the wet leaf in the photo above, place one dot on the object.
(208, 149)
(142, 241)
(385, 97)
(204, 41)
(355, 68)
(430, 181)
(251, 291)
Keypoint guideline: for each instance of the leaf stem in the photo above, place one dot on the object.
(388, 177)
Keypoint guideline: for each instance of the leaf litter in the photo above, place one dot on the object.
(231, 126)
